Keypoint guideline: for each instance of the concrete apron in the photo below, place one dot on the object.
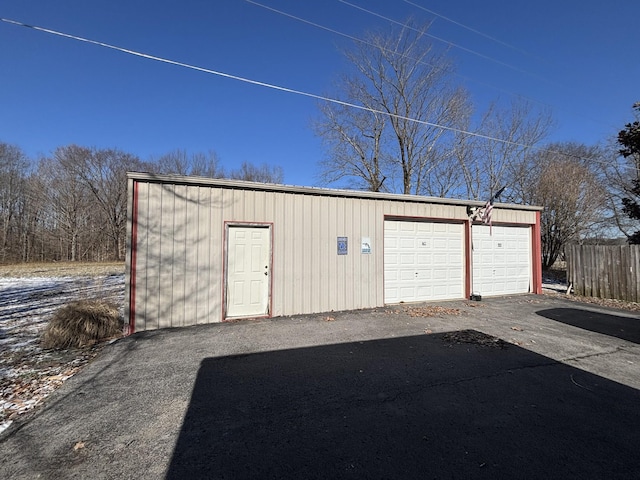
(602, 341)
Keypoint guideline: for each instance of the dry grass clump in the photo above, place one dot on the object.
(83, 324)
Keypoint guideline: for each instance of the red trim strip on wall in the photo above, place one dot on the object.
(132, 267)
(537, 256)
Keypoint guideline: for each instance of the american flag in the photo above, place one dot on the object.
(488, 210)
(486, 214)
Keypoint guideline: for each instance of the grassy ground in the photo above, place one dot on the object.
(61, 269)
(30, 296)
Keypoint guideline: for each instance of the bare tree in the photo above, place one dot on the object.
(264, 173)
(13, 170)
(95, 180)
(562, 179)
(206, 165)
(69, 203)
(488, 164)
(34, 210)
(179, 162)
(104, 172)
(355, 139)
(405, 79)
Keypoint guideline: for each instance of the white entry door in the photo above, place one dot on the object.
(501, 259)
(248, 271)
(423, 261)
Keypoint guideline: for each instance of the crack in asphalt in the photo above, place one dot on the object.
(392, 398)
(597, 354)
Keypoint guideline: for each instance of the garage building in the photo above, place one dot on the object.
(208, 250)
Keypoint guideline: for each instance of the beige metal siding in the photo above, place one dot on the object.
(503, 215)
(180, 252)
(177, 255)
(179, 271)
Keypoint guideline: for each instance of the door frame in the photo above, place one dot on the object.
(225, 269)
(531, 257)
(446, 220)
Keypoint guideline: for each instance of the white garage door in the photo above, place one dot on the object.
(423, 261)
(501, 260)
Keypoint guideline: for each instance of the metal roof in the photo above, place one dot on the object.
(329, 192)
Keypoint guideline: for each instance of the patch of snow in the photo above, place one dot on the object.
(5, 425)
(26, 306)
(552, 284)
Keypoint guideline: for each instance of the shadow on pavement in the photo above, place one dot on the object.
(625, 328)
(414, 407)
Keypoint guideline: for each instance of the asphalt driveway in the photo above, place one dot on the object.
(514, 387)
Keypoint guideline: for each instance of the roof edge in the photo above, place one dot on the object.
(328, 192)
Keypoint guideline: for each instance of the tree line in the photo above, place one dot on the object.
(417, 131)
(72, 205)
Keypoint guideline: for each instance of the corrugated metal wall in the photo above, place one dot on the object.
(177, 275)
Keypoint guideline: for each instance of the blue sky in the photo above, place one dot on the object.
(577, 56)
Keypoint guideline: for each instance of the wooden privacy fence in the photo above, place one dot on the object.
(605, 271)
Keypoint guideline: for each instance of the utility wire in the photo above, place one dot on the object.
(359, 40)
(365, 42)
(262, 84)
(540, 77)
(468, 50)
(466, 27)
(513, 47)
(276, 87)
(309, 22)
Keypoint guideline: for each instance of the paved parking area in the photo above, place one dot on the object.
(388, 393)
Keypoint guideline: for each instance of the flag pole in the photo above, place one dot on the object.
(487, 211)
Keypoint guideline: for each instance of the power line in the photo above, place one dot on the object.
(524, 52)
(308, 22)
(364, 42)
(471, 29)
(259, 83)
(468, 50)
(274, 87)
(350, 37)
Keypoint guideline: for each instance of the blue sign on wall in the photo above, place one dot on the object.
(342, 245)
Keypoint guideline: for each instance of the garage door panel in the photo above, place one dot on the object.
(406, 243)
(407, 259)
(422, 261)
(439, 274)
(423, 291)
(407, 274)
(441, 244)
(422, 273)
(501, 259)
(407, 292)
(432, 261)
